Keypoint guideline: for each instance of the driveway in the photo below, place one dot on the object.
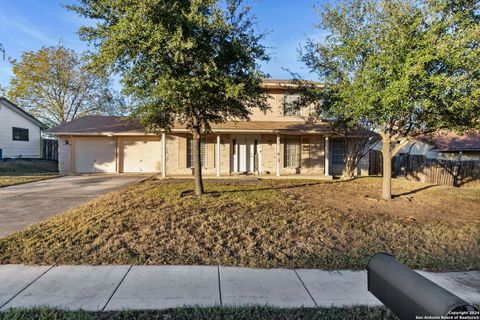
(23, 205)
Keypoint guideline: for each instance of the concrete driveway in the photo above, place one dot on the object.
(25, 204)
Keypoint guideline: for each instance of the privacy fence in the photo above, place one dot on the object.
(465, 173)
(50, 149)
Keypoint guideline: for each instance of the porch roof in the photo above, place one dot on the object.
(113, 125)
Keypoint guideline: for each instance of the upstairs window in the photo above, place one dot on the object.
(288, 107)
(19, 134)
(190, 152)
(292, 152)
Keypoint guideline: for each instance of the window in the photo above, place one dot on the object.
(20, 134)
(292, 152)
(288, 107)
(190, 152)
(338, 151)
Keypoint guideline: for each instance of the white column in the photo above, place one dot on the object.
(164, 155)
(218, 155)
(278, 155)
(327, 157)
(259, 150)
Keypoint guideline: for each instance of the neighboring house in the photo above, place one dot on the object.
(445, 146)
(19, 132)
(272, 143)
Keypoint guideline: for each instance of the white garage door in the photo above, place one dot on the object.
(142, 155)
(95, 155)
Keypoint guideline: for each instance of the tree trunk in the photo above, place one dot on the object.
(349, 168)
(197, 162)
(387, 170)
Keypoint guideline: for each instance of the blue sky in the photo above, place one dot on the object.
(27, 25)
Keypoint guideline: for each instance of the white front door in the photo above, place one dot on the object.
(244, 154)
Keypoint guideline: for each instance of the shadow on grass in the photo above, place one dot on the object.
(413, 191)
(284, 187)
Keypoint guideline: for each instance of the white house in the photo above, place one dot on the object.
(19, 132)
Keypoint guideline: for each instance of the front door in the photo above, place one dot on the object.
(244, 153)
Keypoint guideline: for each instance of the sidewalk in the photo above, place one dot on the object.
(96, 288)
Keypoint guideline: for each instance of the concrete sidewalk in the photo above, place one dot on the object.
(97, 288)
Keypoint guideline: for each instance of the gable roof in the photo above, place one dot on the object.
(12, 106)
(111, 125)
(451, 142)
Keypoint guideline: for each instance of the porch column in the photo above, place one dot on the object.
(327, 157)
(259, 150)
(164, 155)
(218, 155)
(278, 155)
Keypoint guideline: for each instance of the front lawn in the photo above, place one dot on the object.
(12, 179)
(250, 313)
(269, 223)
(19, 171)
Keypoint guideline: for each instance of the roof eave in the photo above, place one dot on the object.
(10, 105)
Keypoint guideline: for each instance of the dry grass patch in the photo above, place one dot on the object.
(9, 180)
(19, 171)
(306, 224)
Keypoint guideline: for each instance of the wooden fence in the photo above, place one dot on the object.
(50, 149)
(465, 173)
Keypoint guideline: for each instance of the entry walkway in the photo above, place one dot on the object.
(95, 288)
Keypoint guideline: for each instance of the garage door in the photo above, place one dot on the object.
(95, 155)
(142, 155)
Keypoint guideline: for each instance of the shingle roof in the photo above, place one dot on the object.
(98, 124)
(122, 125)
(285, 84)
(449, 141)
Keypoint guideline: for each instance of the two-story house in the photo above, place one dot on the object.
(19, 132)
(274, 143)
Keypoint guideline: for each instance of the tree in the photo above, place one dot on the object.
(358, 140)
(357, 145)
(56, 85)
(399, 67)
(2, 50)
(192, 62)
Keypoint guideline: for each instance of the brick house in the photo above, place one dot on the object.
(274, 143)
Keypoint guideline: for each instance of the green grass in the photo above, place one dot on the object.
(22, 171)
(266, 224)
(220, 313)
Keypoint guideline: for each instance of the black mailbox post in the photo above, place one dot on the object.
(407, 293)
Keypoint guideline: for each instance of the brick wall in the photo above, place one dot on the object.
(64, 155)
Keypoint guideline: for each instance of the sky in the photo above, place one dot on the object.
(28, 25)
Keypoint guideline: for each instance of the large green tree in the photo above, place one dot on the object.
(57, 85)
(401, 68)
(191, 62)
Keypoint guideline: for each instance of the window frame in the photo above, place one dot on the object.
(335, 154)
(287, 159)
(21, 134)
(291, 113)
(189, 153)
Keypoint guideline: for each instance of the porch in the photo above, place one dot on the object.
(256, 154)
